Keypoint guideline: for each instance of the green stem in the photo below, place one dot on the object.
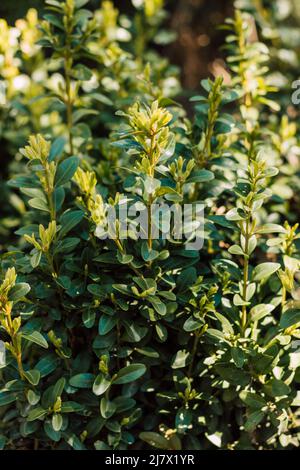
(51, 265)
(194, 352)
(245, 278)
(51, 207)
(149, 209)
(16, 345)
(150, 201)
(69, 102)
(283, 300)
(49, 192)
(20, 365)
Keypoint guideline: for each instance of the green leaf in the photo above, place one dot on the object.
(134, 332)
(107, 408)
(53, 435)
(58, 198)
(264, 270)
(289, 318)
(54, 20)
(58, 389)
(238, 357)
(237, 300)
(101, 98)
(216, 334)
(47, 364)
(124, 404)
(27, 428)
(183, 419)
(19, 291)
(32, 397)
(233, 376)
(236, 250)
(192, 324)
(155, 440)
(57, 148)
(234, 215)
(67, 245)
(201, 176)
(253, 420)
(81, 72)
(222, 221)
(57, 421)
(88, 318)
(186, 278)
(82, 380)
(33, 376)
(106, 324)
(39, 203)
(180, 359)
(148, 255)
(74, 442)
(36, 413)
(226, 325)
(3, 441)
(24, 182)
(28, 230)
(158, 305)
(206, 84)
(129, 374)
(80, 113)
(215, 438)
(71, 407)
(81, 3)
(260, 311)
(6, 398)
(270, 228)
(149, 352)
(69, 220)
(97, 290)
(35, 258)
(101, 384)
(253, 400)
(279, 388)
(35, 337)
(296, 401)
(66, 170)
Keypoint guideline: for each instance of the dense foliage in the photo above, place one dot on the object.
(126, 342)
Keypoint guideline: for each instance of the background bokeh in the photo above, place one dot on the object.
(196, 49)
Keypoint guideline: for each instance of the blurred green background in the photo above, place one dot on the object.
(197, 47)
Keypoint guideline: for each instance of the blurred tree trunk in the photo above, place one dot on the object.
(199, 40)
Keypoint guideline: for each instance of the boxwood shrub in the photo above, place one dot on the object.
(136, 342)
